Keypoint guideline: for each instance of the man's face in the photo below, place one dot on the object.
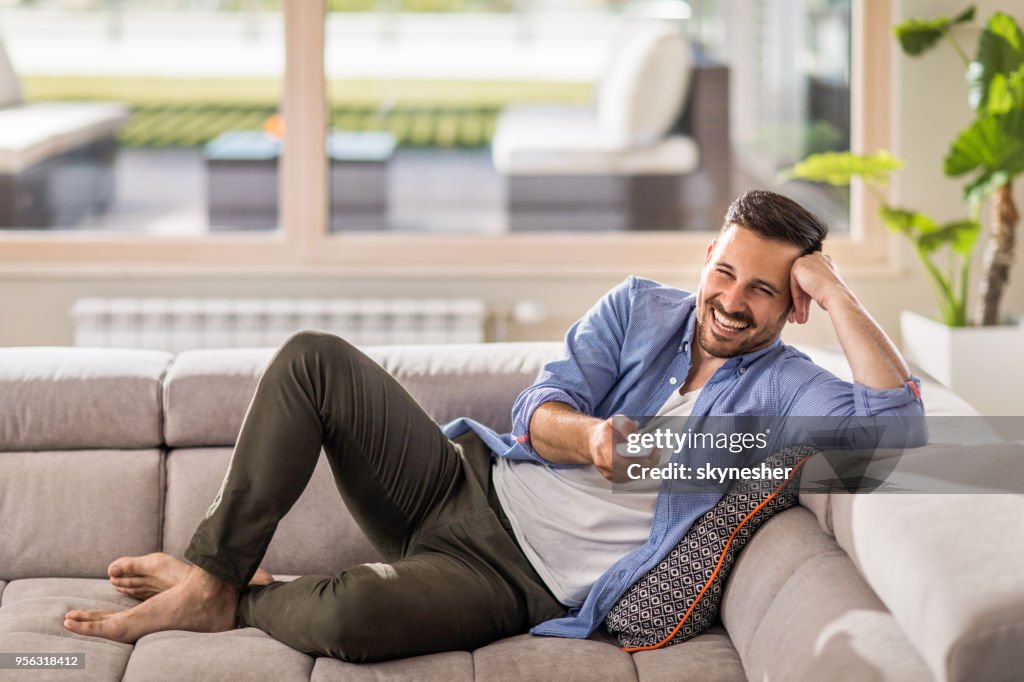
(744, 293)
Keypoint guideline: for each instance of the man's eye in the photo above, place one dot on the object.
(724, 273)
(766, 292)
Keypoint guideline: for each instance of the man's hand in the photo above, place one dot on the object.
(814, 277)
(605, 437)
(874, 360)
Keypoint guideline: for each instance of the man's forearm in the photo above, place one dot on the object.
(871, 354)
(561, 434)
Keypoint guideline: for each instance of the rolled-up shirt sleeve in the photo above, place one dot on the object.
(819, 393)
(586, 369)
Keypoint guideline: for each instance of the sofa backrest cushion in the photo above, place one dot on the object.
(68, 514)
(317, 536)
(10, 88)
(79, 398)
(207, 391)
(644, 87)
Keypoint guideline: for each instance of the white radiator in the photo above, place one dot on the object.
(177, 324)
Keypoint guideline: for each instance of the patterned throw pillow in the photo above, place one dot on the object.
(649, 611)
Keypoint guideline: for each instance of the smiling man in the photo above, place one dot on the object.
(487, 535)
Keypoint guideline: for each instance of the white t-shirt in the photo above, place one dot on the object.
(570, 524)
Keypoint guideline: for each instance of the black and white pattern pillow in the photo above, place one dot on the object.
(649, 610)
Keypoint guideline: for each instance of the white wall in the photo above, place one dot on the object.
(929, 106)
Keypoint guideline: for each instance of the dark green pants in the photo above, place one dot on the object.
(455, 578)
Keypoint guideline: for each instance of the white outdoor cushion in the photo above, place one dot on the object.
(642, 92)
(10, 88)
(563, 140)
(35, 132)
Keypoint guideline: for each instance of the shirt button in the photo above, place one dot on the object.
(742, 370)
(672, 380)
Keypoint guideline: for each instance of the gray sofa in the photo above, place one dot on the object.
(111, 452)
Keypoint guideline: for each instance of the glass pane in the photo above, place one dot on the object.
(142, 116)
(499, 116)
(790, 66)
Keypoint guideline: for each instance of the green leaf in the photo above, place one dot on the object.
(960, 235)
(965, 16)
(993, 142)
(839, 168)
(1000, 97)
(917, 36)
(1000, 51)
(912, 224)
(982, 187)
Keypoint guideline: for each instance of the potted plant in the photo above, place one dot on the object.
(989, 153)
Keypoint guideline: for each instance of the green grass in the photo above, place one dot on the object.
(191, 112)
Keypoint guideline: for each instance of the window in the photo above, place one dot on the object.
(140, 116)
(312, 238)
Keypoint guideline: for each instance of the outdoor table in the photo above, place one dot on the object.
(242, 179)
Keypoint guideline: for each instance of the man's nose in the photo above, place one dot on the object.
(733, 299)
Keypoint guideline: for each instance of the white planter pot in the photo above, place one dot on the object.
(981, 364)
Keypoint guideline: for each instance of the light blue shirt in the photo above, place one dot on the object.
(621, 358)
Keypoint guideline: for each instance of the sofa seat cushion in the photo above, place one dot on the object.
(92, 589)
(32, 133)
(549, 140)
(318, 535)
(64, 398)
(450, 666)
(797, 609)
(527, 657)
(208, 391)
(70, 513)
(247, 654)
(32, 620)
(708, 657)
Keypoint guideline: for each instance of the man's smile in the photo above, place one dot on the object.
(724, 325)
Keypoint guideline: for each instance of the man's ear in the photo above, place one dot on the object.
(711, 248)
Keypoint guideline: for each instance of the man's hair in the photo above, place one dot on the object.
(774, 216)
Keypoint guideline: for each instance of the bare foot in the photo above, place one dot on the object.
(146, 576)
(199, 603)
(261, 577)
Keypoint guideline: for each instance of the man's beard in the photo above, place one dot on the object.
(724, 348)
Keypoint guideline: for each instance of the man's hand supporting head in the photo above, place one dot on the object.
(871, 354)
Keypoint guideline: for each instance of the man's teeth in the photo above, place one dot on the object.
(726, 322)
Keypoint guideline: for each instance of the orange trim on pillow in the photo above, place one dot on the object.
(714, 574)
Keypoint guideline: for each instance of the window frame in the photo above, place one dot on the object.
(303, 244)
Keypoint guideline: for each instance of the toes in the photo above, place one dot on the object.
(102, 627)
(136, 593)
(121, 567)
(86, 616)
(128, 582)
(78, 627)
